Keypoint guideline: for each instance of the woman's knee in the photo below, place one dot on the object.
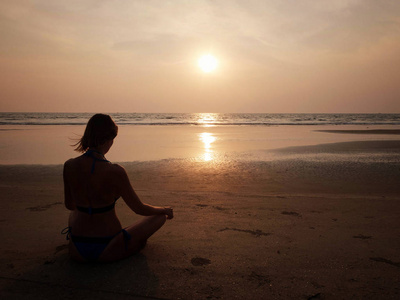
(147, 226)
(160, 219)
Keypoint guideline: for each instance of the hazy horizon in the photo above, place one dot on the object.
(284, 56)
(200, 112)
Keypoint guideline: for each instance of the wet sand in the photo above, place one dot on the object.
(316, 222)
(52, 144)
(364, 131)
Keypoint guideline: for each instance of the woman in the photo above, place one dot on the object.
(92, 185)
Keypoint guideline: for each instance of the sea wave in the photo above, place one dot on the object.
(202, 119)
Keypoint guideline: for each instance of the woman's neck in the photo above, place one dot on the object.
(97, 151)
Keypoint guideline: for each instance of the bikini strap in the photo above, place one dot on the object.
(90, 154)
(67, 232)
(96, 210)
(127, 237)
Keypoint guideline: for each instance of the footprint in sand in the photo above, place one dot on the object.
(61, 248)
(201, 205)
(219, 208)
(200, 261)
(291, 213)
(363, 237)
(259, 279)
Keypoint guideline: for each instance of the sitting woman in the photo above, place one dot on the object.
(92, 185)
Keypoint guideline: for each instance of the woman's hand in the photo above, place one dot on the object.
(169, 212)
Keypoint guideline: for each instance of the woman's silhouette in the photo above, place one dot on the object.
(92, 185)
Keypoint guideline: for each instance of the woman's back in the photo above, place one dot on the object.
(92, 187)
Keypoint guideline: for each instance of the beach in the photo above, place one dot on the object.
(296, 214)
(272, 128)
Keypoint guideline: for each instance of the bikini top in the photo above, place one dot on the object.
(97, 210)
(95, 159)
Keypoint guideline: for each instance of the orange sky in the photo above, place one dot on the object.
(141, 56)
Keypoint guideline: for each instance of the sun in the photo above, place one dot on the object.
(208, 63)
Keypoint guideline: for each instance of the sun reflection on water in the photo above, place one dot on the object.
(207, 119)
(207, 139)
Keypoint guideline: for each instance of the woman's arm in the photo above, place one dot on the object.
(133, 201)
(68, 201)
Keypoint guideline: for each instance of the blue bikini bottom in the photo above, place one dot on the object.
(92, 247)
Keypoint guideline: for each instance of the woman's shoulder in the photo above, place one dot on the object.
(118, 169)
(69, 163)
(72, 161)
(117, 173)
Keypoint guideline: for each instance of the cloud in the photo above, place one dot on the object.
(276, 28)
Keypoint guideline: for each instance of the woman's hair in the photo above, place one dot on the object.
(99, 129)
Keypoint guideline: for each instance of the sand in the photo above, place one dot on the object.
(316, 222)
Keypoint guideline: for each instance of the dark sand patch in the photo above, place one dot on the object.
(200, 261)
(370, 131)
(256, 232)
(373, 147)
(387, 261)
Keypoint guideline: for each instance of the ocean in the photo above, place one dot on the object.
(202, 119)
(48, 138)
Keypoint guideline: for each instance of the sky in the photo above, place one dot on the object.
(274, 56)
